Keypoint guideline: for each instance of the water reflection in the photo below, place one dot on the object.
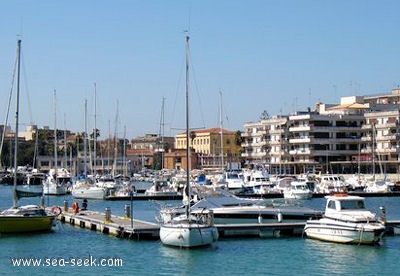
(342, 258)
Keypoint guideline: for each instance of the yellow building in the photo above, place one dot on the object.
(207, 144)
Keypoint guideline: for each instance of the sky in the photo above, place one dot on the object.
(127, 57)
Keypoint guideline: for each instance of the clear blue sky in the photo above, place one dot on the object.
(278, 56)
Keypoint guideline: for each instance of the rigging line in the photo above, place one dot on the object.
(8, 109)
(26, 89)
(176, 93)
(197, 88)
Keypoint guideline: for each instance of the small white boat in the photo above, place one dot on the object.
(298, 190)
(189, 230)
(346, 220)
(85, 189)
(161, 187)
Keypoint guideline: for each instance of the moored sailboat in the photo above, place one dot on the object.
(188, 230)
(28, 218)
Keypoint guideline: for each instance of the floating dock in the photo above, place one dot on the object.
(122, 227)
(129, 228)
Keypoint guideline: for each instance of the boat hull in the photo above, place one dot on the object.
(366, 233)
(54, 190)
(188, 235)
(20, 224)
(83, 193)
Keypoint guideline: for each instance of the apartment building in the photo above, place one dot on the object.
(331, 138)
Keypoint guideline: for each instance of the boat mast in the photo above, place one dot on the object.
(221, 130)
(55, 133)
(85, 142)
(187, 190)
(15, 199)
(161, 133)
(95, 131)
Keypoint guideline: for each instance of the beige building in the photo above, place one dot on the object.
(214, 147)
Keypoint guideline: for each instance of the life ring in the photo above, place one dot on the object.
(56, 210)
(75, 207)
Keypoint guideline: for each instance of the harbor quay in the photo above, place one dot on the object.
(127, 227)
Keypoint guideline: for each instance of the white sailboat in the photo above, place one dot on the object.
(52, 185)
(85, 187)
(28, 218)
(188, 230)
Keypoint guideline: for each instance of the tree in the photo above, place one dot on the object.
(264, 115)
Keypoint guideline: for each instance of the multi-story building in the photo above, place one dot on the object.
(307, 141)
(265, 143)
(215, 147)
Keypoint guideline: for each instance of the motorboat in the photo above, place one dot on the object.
(230, 180)
(346, 220)
(298, 189)
(329, 183)
(161, 187)
(230, 209)
(258, 181)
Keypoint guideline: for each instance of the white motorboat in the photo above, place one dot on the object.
(259, 182)
(230, 209)
(346, 220)
(161, 187)
(188, 230)
(298, 190)
(231, 180)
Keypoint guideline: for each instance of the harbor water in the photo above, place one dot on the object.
(71, 250)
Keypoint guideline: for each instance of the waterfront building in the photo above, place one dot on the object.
(215, 147)
(361, 134)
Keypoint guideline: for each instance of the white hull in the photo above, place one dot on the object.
(297, 195)
(89, 193)
(362, 233)
(188, 235)
(54, 189)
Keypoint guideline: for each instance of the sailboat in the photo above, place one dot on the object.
(85, 187)
(28, 218)
(188, 230)
(53, 185)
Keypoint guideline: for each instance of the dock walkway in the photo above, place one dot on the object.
(125, 227)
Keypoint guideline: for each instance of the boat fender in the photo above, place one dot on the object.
(56, 210)
(280, 217)
(75, 207)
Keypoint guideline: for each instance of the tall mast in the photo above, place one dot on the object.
(95, 130)
(55, 132)
(15, 199)
(85, 142)
(187, 130)
(221, 129)
(161, 132)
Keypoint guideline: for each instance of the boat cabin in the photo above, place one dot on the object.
(338, 203)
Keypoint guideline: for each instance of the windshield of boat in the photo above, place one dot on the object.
(356, 204)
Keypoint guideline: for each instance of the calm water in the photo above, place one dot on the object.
(233, 256)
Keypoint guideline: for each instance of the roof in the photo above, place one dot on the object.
(349, 106)
(215, 130)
